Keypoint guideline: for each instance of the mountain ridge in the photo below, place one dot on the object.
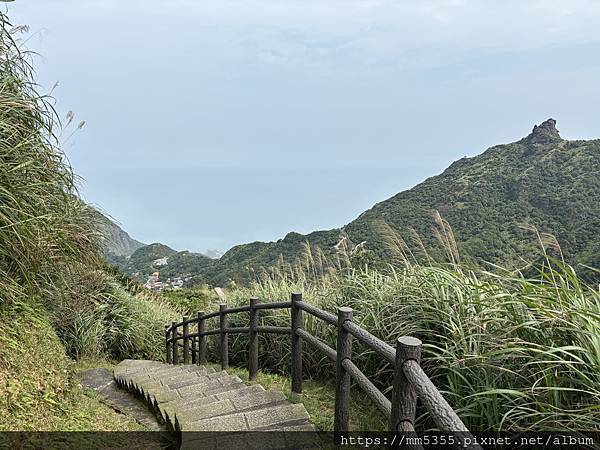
(492, 201)
(526, 180)
(115, 241)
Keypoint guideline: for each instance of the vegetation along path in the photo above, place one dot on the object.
(198, 398)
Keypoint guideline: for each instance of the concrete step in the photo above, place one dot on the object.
(192, 402)
(254, 420)
(201, 410)
(173, 400)
(198, 398)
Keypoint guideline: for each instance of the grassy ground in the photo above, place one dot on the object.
(38, 384)
(319, 400)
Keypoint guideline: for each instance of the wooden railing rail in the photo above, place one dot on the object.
(410, 381)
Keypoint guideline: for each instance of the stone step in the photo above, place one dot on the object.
(192, 402)
(185, 418)
(188, 386)
(175, 400)
(180, 379)
(170, 376)
(184, 377)
(153, 369)
(198, 398)
(254, 420)
(200, 384)
(145, 373)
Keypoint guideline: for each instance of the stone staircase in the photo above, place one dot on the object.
(194, 398)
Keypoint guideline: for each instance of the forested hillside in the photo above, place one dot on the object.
(168, 262)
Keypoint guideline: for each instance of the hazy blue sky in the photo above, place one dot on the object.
(212, 123)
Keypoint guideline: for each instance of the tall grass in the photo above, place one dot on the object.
(115, 324)
(45, 230)
(49, 252)
(509, 351)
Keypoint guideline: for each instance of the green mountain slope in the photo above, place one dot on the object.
(140, 260)
(488, 200)
(541, 180)
(161, 258)
(145, 256)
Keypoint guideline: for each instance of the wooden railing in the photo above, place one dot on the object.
(410, 381)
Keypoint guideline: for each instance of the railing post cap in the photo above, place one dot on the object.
(345, 309)
(296, 295)
(409, 341)
(254, 300)
(222, 306)
(200, 313)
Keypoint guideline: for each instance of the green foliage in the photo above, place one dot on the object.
(48, 236)
(50, 276)
(44, 227)
(191, 300)
(508, 351)
(38, 388)
(115, 324)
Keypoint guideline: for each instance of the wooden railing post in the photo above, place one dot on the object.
(253, 353)
(296, 344)
(174, 344)
(186, 340)
(342, 391)
(201, 339)
(168, 344)
(194, 350)
(224, 337)
(404, 396)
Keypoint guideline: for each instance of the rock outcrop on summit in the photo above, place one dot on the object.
(544, 133)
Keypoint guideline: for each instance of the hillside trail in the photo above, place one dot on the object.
(200, 407)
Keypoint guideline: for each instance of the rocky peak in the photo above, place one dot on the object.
(544, 133)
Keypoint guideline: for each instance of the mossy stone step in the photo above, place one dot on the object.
(253, 420)
(191, 402)
(197, 398)
(199, 410)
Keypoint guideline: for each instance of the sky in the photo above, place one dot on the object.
(214, 123)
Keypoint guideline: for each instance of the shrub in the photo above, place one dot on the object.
(115, 324)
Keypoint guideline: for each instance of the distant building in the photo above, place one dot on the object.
(161, 261)
(154, 284)
(153, 281)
